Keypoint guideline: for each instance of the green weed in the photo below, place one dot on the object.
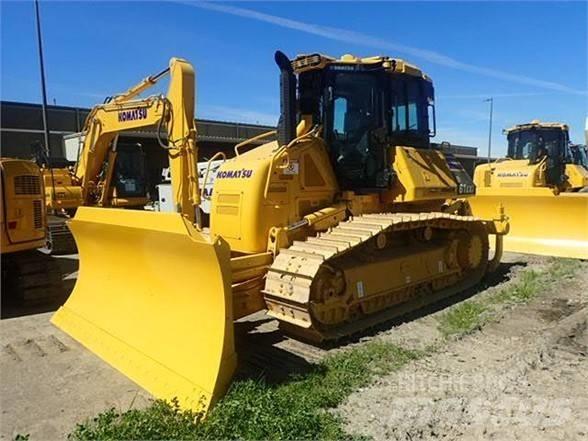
(296, 409)
(462, 319)
(471, 314)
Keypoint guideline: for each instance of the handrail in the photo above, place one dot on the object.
(202, 193)
(271, 167)
(255, 138)
(541, 168)
(311, 133)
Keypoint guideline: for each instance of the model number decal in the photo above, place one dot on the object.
(466, 189)
(512, 174)
(232, 174)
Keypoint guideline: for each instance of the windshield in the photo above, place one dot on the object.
(535, 144)
(355, 101)
(130, 170)
(411, 100)
(354, 107)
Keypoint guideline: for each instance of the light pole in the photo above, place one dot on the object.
(491, 101)
(43, 88)
(44, 96)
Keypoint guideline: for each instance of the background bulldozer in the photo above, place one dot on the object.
(348, 218)
(580, 155)
(543, 190)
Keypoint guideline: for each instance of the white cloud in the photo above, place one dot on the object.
(360, 38)
(235, 114)
(482, 96)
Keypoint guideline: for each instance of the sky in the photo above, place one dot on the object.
(531, 57)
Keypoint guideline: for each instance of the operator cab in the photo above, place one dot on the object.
(129, 170)
(538, 141)
(366, 106)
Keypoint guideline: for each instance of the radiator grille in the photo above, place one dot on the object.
(38, 214)
(27, 184)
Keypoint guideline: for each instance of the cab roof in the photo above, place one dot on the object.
(536, 124)
(308, 62)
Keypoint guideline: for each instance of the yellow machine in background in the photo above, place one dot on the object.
(23, 206)
(541, 189)
(26, 275)
(344, 221)
(94, 181)
(580, 155)
(63, 195)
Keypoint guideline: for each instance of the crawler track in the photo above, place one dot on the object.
(59, 238)
(29, 278)
(371, 268)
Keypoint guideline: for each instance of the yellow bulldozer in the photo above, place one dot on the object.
(27, 275)
(542, 189)
(345, 220)
(579, 154)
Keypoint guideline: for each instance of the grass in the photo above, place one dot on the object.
(522, 290)
(471, 314)
(462, 319)
(296, 409)
(563, 268)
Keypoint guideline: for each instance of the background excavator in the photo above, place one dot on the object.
(541, 188)
(27, 275)
(118, 180)
(346, 220)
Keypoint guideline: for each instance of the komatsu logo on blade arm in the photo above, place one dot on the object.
(132, 115)
(243, 173)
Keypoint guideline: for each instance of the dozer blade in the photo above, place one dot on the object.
(541, 222)
(153, 299)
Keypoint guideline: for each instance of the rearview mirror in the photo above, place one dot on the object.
(432, 119)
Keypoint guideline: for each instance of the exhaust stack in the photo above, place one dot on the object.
(287, 122)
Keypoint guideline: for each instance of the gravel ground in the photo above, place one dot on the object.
(522, 376)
